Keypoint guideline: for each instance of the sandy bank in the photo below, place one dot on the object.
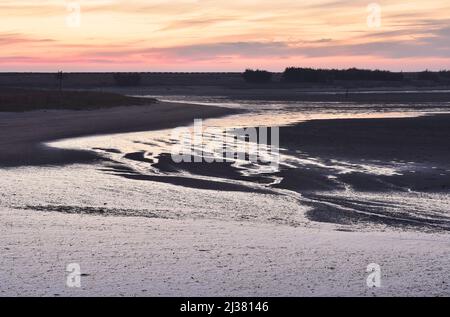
(23, 133)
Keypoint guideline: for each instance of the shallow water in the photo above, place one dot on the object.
(125, 148)
(145, 156)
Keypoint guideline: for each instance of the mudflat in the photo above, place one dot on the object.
(23, 134)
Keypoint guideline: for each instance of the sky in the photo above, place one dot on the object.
(218, 35)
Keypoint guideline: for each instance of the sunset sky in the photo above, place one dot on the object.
(218, 35)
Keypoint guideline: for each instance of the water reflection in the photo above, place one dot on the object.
(148, 153)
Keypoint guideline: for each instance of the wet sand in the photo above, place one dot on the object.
(156, 257)
(418, 148)
(419, 144)
(345, 150)
(134, 236)
(23, 134)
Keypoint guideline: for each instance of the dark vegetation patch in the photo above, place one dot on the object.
(293, 74)
(18, 100)
(257, 76)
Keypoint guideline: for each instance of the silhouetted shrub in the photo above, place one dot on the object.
(257, 76)
(298, 75)
(17, 100)
(293, 74)
(127, 79)
(363, 74)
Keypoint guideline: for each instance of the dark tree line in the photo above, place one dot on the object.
(257, 76)
(311, 75)
(293, 74)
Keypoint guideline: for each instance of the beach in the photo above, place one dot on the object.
(154, 257)
(357, 185)
(225, 157)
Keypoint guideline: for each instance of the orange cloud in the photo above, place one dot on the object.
(217, 35)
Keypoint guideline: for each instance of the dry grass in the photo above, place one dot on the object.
(19, 100)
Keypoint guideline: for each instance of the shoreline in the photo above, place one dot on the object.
(351, 97)
(25, 146)
(383, 95)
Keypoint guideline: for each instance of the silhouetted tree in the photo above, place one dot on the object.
(127, 79)
(366, 75)
(298, 75)
(257, 76)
